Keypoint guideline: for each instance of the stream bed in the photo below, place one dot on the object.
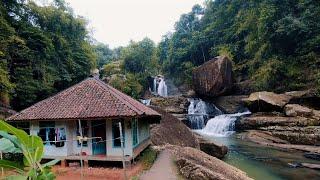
(265, 163)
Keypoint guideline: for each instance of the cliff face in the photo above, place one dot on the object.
(214, 77)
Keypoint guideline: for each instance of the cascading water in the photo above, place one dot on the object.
(162, 88)
(222, 125)
(146, 101)
(199, 111)
(155, 85)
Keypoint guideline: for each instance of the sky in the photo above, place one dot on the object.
(116, 22)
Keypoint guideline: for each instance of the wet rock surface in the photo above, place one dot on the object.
(230, 104)
(212, 148)
(214, 77)
(266, 101)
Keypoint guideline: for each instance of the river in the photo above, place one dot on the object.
(265, 163)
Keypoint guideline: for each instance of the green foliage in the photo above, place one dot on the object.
(148, 157)
(128, 84)
(255, 35)
(104, 55)
(32, 149)
(269, 75)
(42, 50)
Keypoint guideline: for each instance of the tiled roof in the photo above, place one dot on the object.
(89, 99)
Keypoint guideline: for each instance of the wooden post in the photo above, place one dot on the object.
(2, 172)
(81, 138)
(122, 148)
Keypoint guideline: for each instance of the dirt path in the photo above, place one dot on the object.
(163, 168)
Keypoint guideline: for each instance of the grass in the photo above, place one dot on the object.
(148, 157)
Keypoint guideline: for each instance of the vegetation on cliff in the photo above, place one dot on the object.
(274, 45)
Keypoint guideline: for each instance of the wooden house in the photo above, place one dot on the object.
(97, 108)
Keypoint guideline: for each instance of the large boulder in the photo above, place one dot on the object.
(172, 131)
(297, 110)
(213, 148)
(309, 98)
(214, 77)
(230, 104)
(266, 101)
(194, 164)
(257, 121)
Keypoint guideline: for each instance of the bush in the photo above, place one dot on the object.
(270, 76)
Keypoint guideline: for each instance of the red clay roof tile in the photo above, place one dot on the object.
(89, 99)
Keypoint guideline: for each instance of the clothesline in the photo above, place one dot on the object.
(83, 139)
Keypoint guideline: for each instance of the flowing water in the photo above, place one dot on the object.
(222, 125)
(259, 162)
(162, 88)
(199, 112)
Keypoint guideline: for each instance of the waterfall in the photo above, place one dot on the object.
(199, 111)
(146, 101)
(222, 125)
(162, 88)
(155, 85)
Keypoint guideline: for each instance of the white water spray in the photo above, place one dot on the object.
(162, 88)
(199, 111)
(222, 125)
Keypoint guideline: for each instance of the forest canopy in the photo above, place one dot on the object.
(42, 50)
(273, 46)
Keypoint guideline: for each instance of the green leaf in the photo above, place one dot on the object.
(7, 146)
(11, 165)
(16, 177)
(11, 138)
(20, 134)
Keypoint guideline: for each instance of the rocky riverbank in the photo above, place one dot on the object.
(279, 121)
(195, 157)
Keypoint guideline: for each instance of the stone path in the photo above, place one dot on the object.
(162, 169)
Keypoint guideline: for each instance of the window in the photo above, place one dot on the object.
(116, 132)
(22, 125)
(85, 132)
(134, 132)
(47, 131)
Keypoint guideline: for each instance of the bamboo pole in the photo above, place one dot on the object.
(2, 172)
(122, 148)
(81, 142)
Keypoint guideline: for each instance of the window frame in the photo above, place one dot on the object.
(135, 132)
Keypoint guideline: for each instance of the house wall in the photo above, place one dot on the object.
(50, 150)
(74, 148)
(143, 130)
(71, 147)
(116, 151)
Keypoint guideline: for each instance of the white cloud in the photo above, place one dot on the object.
(116, 22)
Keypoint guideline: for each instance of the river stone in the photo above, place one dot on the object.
(315, 156)
(311, 166)
(266, 101)
(297, 110)
(213, 148)
(213, 78)
(258, 121)
(195, 165)
(230, 104)
(309, 98)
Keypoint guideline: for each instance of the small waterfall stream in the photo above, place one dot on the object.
(207, 119)
(199, 112)
(162, 88)
(222, 125)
